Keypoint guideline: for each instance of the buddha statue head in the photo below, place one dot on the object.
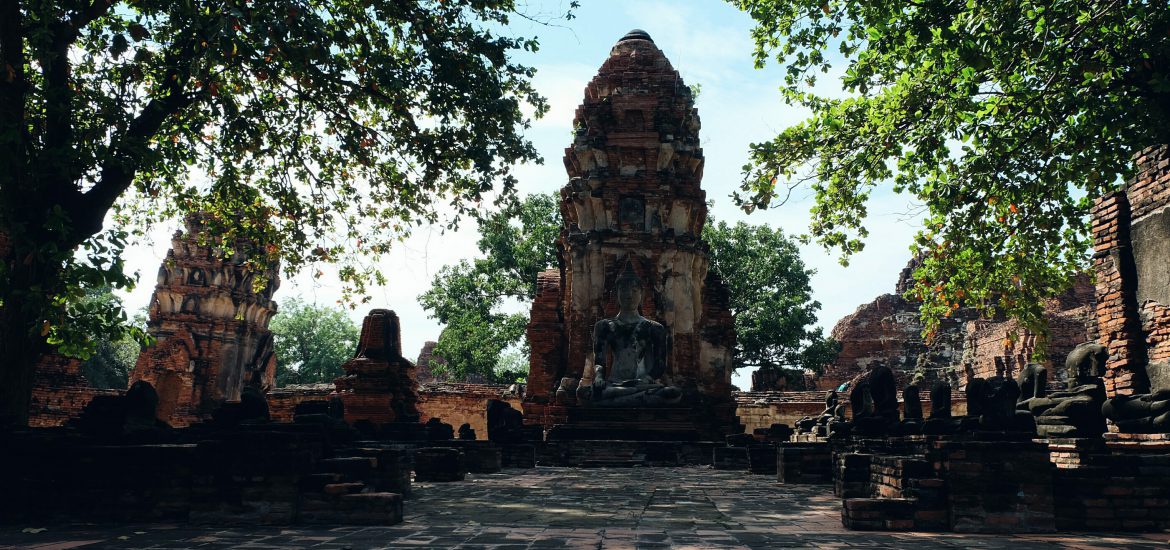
(629, 289)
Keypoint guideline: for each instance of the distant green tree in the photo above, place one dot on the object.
(518, 242)
(114, 354)
(311, 342)
(770, 296)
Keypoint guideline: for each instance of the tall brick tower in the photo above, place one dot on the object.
(634, 196)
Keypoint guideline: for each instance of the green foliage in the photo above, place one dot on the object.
(518, 242)
(311, 342)
(770, 296)
(322, 130)
(114, 352)
(1003, 118)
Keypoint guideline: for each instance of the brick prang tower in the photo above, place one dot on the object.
(634, 167)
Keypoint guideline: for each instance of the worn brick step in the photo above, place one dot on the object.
(355, 467)
(343, 488)
(357, 509)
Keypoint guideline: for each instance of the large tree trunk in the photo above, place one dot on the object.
(21, 342)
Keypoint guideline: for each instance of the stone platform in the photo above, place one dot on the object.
(578, 508)
(635, 424)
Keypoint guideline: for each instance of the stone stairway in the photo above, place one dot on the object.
(365, 489)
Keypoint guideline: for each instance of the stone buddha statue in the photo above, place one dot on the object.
(1146, 412)
(1075, 411)
(630, 354)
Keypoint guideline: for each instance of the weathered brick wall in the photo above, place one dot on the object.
(456, 403)
(60, 391)
(546, 342)
(1070, 319)
(889, 330)
(1131, 313)
(1133, 498)
(282, 402)
(762, 409)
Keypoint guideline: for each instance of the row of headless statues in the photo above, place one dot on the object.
(999, 404)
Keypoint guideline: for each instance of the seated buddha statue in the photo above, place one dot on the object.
(630, 354)
(1145, 412)
(1075, 411)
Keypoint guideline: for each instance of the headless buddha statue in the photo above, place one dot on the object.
(630, 354)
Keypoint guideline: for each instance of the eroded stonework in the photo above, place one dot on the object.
(889, 331)
(379, 385)
(633, 197)
(1129, 230)
(211, 326)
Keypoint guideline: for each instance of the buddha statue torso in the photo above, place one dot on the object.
(629, 355)
(638, 348)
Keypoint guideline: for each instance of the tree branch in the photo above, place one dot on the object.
(125, 152)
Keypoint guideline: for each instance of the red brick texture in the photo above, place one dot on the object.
(889, 330)
(379, 384)
(457, 403)
(1071, 321)
(1134, 333)
(211, 327)
(59, 392)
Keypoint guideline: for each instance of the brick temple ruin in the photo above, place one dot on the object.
(210, 323)
(963, 433)
(888, 330)
(633, 199)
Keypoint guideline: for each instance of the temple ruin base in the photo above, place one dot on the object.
(923, 483)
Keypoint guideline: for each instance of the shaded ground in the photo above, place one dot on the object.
(576, 508)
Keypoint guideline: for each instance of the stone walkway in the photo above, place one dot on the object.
(578, 508)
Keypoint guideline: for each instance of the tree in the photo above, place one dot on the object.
(113, 358)
(311, 342)
(1005, 119)
(770, 296)
(518, 242)
(321, 130)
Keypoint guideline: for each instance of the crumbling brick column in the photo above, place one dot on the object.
(1117, 314)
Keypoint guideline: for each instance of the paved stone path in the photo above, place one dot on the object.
(580, 508)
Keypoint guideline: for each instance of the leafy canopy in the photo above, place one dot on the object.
(114, 353)
(1005, 119)
(770, 297)
(311, 342)
(322, 129)
(470, 298)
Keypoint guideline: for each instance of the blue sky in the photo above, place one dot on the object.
(708, 42)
